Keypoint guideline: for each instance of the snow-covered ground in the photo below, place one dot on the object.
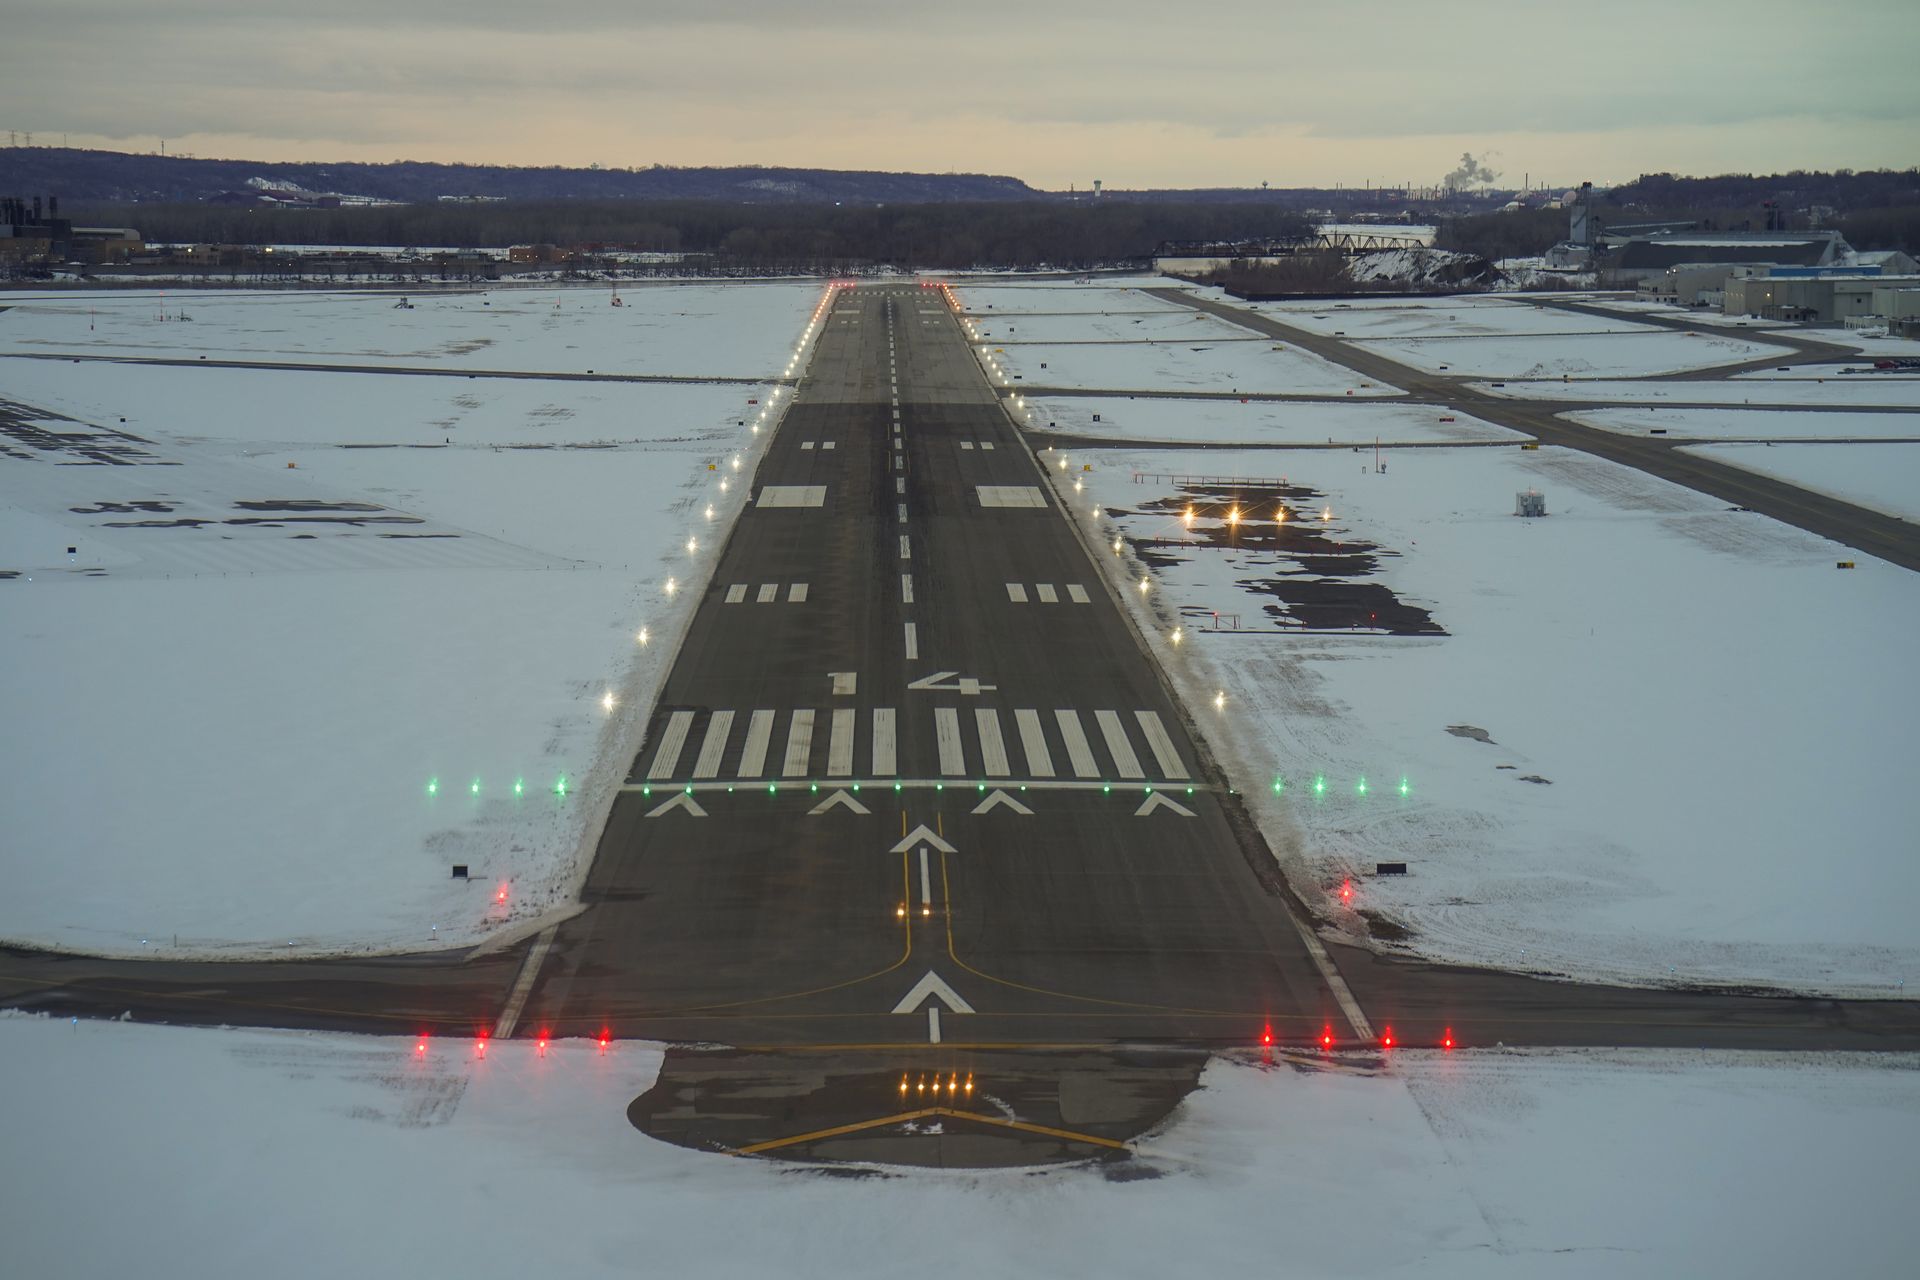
(267, 725)
(1212, 365)
(1632, 650)
(1052, 297)
(1751, 424)
(1578, 354)
(1722, 772)
(1264, 422)
(237, 1153)
(1169, 324)
(1885, 477)
(1091, 340)
(659, 329)
(1457, 317)
(1864, 389)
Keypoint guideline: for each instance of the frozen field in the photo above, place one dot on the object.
(307, 653)
(1752, 424)
(688, 330)
(1885, 477)
(1859, 389)
(1717, 773)
(1265, 422)
(1457, 317)
(1475, 1164)
(1168, 324)
(1093, 346)
(1097, 295)
(1576, 354)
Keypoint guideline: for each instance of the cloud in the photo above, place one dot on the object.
(1388, 88)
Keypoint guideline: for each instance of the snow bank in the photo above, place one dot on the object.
(1692, 773)
(338, 632)
(216, 1148)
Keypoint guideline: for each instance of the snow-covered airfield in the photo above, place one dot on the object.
(334, 631)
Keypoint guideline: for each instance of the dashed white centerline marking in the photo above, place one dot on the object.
(906, 588)
(1076, 593)
(900, 484)
(906, 547)
(1017, 592)
(1047, 594)
(797, 593)
(736, 593)
(903, 512)
(913, 642)
(769, 592)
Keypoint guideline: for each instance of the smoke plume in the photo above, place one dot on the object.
(1471, 173)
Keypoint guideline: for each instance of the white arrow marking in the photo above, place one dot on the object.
(1158, 801)
(937, 683)
(1001, 798)
(838, 797)
(681, 800)
(932, 985)
(933, 1024)
(922, 834)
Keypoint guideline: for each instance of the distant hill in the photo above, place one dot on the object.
(124, 177)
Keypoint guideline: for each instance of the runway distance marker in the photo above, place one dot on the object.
(937, 683)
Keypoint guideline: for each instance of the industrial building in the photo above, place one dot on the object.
(34, 234)
(1827, 299)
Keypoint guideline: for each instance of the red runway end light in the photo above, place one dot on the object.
(480, 1047)
(1266, 1034)
(1446, 1041)
(1386, 1039)
(421, 1046)
(1346, 893)
(541, 1044)
(500, 894)
(604, 1038)
(1326, 1037)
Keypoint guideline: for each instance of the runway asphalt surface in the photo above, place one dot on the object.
(914, 806)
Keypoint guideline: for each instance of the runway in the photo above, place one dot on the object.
(915, 807)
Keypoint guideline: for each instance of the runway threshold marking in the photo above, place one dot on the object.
(523, 985)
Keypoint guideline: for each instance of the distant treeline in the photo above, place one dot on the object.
(1873, 210)
(816, 237)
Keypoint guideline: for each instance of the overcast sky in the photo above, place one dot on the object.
(1229, 93)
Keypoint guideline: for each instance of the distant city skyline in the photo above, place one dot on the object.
(1057, 95)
